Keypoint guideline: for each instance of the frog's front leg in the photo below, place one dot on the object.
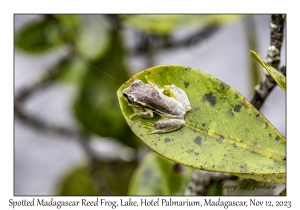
(140, 112)
(165, 126)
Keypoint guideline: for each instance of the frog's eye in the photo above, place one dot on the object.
(128, 98)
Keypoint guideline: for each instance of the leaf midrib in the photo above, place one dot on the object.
(240, 143)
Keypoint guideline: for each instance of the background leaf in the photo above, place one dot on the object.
(97, 106)
(277, 75)
(215, 190)
(158, 176)
(223, 131)
(73, 72)
(104, 178)
(92, 36)
(70, 23)
(40, 36)
(165, 24)
(77, 182)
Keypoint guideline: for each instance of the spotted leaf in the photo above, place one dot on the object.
(277, 75)
(223, 132)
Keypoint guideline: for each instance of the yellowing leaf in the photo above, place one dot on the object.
(223, 131)
(158, 176)
(277, 75)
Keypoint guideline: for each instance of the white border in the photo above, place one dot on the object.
(153, 6)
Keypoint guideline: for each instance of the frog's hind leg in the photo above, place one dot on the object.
(155, 86)
(178, 94)
(165, 126)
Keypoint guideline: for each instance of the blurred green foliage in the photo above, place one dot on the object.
(158, 176)
(97, 178)
(166, 24)
(97, 106)
(40, 36)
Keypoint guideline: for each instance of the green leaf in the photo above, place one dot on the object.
(159, 176)
(254, 67)
(277, 75)
(92, 37)
(165, 24)
(70, 23)
(97, 105)
(73, 72)
(77, 182)
(114, 176)
(40, 36)
(101, 178)
(223, 131)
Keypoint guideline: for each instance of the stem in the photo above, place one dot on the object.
(263, 89)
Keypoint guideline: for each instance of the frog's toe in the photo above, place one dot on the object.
(149, 126)
(149, 132)
(131, 116)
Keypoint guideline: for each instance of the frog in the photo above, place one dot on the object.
(146, 99)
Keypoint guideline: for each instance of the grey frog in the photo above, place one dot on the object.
(148, 98)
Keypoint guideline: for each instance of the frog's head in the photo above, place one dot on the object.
(130, 93)
(128, 97)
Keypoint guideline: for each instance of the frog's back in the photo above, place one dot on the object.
(147, 97)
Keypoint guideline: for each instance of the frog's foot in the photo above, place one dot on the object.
(131, 116)
(149, 126)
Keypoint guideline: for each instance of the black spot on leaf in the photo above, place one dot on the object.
(186, 84)
(237, 108)
(277, 138)
(224, 86)
(196, 153)
(198, 140)
(221, 166)
(190, 151)
(167, 140)
(210, 98)
(231, 114)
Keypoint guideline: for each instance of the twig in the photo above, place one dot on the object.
(267, 84)
(144, 45)
(48, 79)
